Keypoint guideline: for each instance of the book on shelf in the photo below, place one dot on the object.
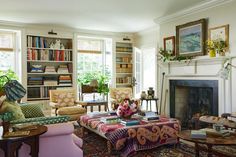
(129, 122)
(50, 82)
(35, 80)
(63, 69)
(37, 68)
(50, 69)
(198, 134)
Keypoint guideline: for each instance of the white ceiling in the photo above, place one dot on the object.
(103, 15)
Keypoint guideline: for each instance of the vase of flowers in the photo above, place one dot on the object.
(218, 46)
(127, 108)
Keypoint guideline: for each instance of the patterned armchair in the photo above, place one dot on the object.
(64, 103)
(117, 95)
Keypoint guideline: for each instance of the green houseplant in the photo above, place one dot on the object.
(11, 75)
(102, 80)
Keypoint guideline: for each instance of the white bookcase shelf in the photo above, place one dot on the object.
(48, 68)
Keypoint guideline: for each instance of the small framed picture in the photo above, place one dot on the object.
(190, 38)
(220, 32)
(169, 45)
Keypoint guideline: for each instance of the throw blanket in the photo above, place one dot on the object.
(138, 137)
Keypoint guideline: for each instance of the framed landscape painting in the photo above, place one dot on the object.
(190, 38)
(169, 45)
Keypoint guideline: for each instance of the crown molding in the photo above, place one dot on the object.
(192, 10)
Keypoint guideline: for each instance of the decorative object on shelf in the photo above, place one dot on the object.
(51, 46)
(150, 93)
(220, 33)
(169, 45)
(143, 95)
(190, 38)
(62, 47)
(216, 46)
(126, 38)
(127, 108)
(225, 71)
(57, 44)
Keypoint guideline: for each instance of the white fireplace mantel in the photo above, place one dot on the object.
(201, 68)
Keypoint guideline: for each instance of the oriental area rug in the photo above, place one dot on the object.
(95, 146)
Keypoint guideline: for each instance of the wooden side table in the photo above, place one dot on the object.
(150, 102)
(94, 103)
(210, 141)
(11, 145)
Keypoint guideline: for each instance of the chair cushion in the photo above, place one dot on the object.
(71, 110)
(14, 108)
(121, 95)
(66, 99)
(32, 110)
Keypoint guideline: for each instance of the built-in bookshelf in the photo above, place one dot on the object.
(49, 65)
(124, 64)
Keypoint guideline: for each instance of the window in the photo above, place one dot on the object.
(7, 55)
(94, 55)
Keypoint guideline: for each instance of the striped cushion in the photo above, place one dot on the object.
(32, 110)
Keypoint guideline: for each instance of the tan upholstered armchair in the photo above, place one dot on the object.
(64, 103)
(117, 95)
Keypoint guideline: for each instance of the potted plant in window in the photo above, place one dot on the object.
(11, 75)
(102, 82)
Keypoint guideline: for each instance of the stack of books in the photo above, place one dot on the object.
(210, 131)
(110, 120)
(35, 80)
(198, 134)
(151, 116)
(129, 122)
(50, 69)
(62, 69)
(65, 80)
(37, 69)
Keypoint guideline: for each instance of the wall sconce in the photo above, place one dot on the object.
(224, 72)
(52, 33)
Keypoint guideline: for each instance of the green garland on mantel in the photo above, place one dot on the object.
(165, 56)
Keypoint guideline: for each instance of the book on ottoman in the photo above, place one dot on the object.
(199, 134)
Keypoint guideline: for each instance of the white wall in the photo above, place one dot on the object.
(216, 16)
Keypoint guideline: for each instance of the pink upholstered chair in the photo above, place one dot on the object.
(58, 141)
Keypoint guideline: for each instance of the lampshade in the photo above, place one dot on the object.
(224, 73)
(93, 83)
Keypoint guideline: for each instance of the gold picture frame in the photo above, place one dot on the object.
(190, 38)
(220, 32)
(169, 45)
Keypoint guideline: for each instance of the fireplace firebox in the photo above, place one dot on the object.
(189, 99)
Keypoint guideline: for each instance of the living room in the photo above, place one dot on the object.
(84, 70)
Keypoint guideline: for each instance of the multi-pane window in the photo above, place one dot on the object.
(94, 55)
(7, 51)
